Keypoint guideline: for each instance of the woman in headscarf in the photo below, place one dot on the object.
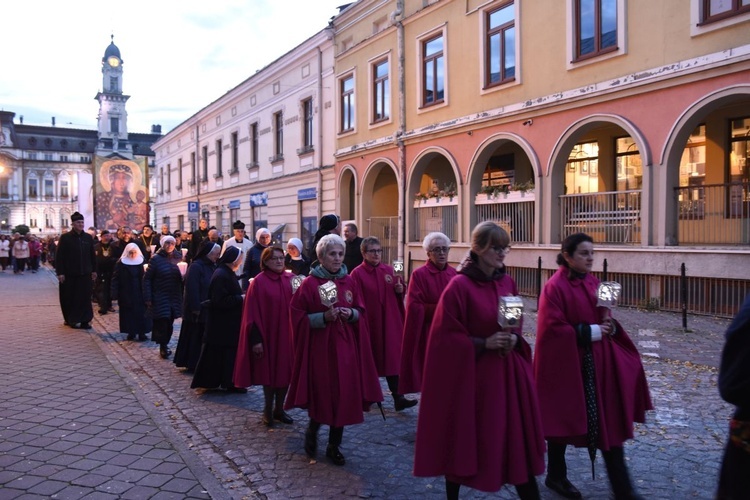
(197, 279)
(479, 423)
(295, 261)
(334, 376)
(216, 364)
(251, 267)
(425, 286)
(265, 353)
(162, 290)
(126, 288)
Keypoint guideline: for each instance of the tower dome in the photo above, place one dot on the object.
(112, 50)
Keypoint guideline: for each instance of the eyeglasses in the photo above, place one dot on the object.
(439, 250)
(278, 259)
(505, 250)
(376, 251)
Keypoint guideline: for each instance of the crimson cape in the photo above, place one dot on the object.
(267, 307)
(479, 422)
(385, 315)
(425, 287)
(334, 376)
(621, 387)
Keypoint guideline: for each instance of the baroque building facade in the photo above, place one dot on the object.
(262, 153)
(625, 119)
(47, 172)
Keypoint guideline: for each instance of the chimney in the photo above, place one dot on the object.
(156, 129)
(53, 121)
(21, 119)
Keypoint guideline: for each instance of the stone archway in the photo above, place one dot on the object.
(435, 186)
(380, 207)
(347, 193)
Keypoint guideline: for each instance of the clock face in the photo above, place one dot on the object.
(113, 61)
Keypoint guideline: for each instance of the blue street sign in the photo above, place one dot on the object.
(193, 207)
(307, 194)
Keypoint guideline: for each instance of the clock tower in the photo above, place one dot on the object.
(112, 119)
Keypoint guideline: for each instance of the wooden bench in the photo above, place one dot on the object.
(617, 225)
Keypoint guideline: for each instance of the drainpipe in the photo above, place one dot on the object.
(319, 153)
(397, 17)
(198, 175)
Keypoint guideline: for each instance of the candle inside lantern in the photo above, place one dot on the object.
(184, 252)
(510, 311)
(608, 293)
(145, 267)
(329, 294)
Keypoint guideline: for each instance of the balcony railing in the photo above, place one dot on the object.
(608, 217)
(714, 214)
(436, 215)
(515, 214)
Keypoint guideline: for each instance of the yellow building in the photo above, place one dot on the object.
(625, 119)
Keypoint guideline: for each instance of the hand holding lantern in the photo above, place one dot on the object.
(398, 270)
(607, 295)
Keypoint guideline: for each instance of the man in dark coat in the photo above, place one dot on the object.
(353, 255)
(195, 240)
(75, 265)
(105, 264)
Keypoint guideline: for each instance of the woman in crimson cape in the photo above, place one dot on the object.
(425, 286)
(265, 352)
(479, 422)
(589, 375)
(334, 376)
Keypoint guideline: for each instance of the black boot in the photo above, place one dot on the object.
(311, 438)
(268, 394)
(399, 401)
(451, 489)
(528, 490)
(164, 351)
(334, 441)
(619, 479)
(557, 472)
(279, 413)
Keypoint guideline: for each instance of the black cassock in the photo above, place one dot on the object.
(76, 261)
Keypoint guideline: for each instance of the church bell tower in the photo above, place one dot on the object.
(113, 119)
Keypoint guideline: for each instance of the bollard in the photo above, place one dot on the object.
(604, 274)
(538, 281)
(683, 296)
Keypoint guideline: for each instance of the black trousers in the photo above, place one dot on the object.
(75, 299)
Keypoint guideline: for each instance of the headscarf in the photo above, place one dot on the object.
(261, 232)
(204, 249)
(135, 261)
(297, 243)
(168, 239)
(230, 256)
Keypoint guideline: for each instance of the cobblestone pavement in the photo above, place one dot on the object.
(674, 455)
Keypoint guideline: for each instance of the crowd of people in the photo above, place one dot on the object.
(19, 253)
(318, 335)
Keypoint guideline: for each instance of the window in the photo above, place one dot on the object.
(32, 222)
(692, 178)
(204, 158)
(235, 153)
(168, 175)
(63, 157)
(595, 27)
(219, 172)
(500, 66)
(179, 173)
(113, 84)
(347, 103)
(582, 170)
(307, 119)
(628, 164)
(48, 220)
(278, 128)
(739, 175)
(64, 190)
(64, 221)
(161, 180)
(381, 91)
(4, 191)
(33, 188)
(254, 145)
(49, 189)
(48, 157)
(114, 125)
(716, 10)
(193, 169)
(433, 71)
(181, 222)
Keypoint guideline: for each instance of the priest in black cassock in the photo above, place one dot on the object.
(75, 266)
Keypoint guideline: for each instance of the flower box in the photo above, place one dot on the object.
(444, 201)
(511, 197)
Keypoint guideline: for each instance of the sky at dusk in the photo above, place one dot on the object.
(178, 56)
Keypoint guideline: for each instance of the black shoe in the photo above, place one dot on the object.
(77, 326)
(401, 403)
(562, 487)
(335, 455)
(311, 443)
(102, 311)
(164, 352)
(283, 417)
(131, 336)
(142, 337)
(85, 326)
(237, 390)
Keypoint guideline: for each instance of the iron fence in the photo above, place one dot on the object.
(715, 214)
(517, 218)
(608, 217)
